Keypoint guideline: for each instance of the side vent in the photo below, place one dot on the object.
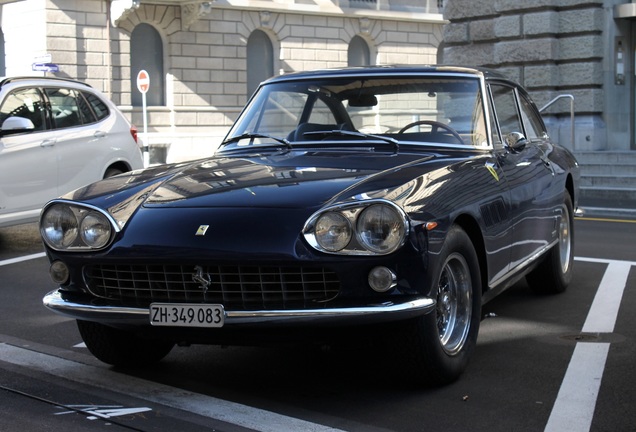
(493, 212)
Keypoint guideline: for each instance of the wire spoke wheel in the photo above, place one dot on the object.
(436, 347)
(454, 304)
(554, 272)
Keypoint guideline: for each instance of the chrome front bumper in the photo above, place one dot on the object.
(141, 316)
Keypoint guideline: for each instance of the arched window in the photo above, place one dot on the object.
(359, 53)
(260, 60)
(440, 53)
(146, 53)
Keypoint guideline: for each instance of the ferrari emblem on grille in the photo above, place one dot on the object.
(201, 278)
(202, 230)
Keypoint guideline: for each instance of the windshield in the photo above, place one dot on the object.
(420, 110)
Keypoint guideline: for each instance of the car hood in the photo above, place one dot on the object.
(290, 180)
(262, 201)
(305, 180)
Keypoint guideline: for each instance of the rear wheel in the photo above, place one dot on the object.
(554, 274)
(120, 347)
(112, 172)
(438, 346)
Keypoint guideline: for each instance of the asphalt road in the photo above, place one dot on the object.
(543, 363)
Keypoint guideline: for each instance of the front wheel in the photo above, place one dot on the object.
(439, 345)
(554, 274)
(121, 348)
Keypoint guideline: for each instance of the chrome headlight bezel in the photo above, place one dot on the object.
(70, 227)
(359, 243)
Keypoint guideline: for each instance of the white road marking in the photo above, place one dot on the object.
(207, 406)
(22, 258)
(573, 410)
(604, 311)
(574, 407)
(104, 412)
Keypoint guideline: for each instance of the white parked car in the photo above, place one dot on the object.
(57, 135)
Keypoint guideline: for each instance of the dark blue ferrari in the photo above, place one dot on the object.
(393, 201)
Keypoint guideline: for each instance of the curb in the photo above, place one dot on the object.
(609, 212)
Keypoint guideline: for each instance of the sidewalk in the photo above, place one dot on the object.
(599, 208)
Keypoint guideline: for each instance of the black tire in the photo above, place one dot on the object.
(554, 273)
(112, 172)
(439, 345)
(121, 348)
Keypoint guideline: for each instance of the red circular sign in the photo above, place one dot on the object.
(143, 81)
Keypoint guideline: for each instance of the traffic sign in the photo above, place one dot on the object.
(45, 67)
(143, 81)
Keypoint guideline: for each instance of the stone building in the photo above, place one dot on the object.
(582, 48)
(205, 58)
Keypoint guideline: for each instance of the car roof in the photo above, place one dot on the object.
(40, 80)
(391, 70)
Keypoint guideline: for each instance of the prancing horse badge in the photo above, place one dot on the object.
(202, 230)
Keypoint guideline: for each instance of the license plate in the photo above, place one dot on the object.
(186, 315)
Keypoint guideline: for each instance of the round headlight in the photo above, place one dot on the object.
(95, 230)
(59, 226)
(380, 228)
(333, 231)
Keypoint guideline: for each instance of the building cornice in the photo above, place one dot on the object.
(193, 11)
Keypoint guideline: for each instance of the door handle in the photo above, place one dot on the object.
(548, 164)
(99, 134)
(48, 143)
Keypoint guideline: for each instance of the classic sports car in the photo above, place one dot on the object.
(397, 198)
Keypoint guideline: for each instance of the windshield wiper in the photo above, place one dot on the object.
(252, 135)
(356, 134)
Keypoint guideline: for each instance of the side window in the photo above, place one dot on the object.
(64, 109)
(506, 109)
(98, 106)
(26, 103)
(85, 111)
(535, 129)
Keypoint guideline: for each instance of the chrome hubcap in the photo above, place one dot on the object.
(565, 240)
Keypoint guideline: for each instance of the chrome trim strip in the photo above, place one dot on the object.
(523, 265)
(140, 316)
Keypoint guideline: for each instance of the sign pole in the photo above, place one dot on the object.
(146, 147)
(143, 84)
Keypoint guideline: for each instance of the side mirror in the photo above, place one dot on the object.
(516, 141)
(17, 124)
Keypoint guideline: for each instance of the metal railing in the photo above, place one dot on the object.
(564, 96)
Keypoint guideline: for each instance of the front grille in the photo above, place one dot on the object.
(236, 287)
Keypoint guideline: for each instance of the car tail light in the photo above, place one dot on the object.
(133, 132)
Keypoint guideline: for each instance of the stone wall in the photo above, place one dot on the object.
(552, 47)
